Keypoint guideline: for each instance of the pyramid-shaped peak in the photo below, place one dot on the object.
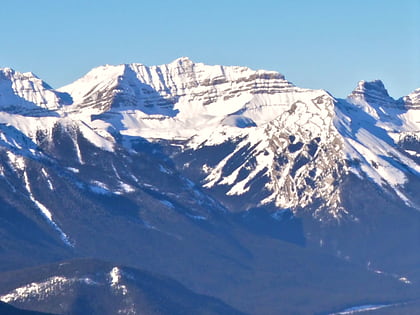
(371, 92)
(376, 86)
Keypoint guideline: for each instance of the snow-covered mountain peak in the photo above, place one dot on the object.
(26, 94)
(176, 100)
(370, 93)
(96, 88)
(373, 98)
(377, 85)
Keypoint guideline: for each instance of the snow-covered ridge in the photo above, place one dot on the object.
(300, 139)
(38, 290)
(371, 92)
(156, 88)
(372, 125)
(181, 99)
(56, 285)
(26, 93)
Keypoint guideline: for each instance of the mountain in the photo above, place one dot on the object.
(228, 180)
(259, 111)
(87, 286)
(25, 93)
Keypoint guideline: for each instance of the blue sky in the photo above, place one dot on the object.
(315, 44)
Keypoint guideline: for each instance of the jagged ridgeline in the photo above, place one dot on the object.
(229, 180)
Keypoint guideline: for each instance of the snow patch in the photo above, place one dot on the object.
(404, 280)
(115, 278)
(37, 290)
(74, 170)
(16, 161)
(361, 308)
(50, 185)
(43, 290)
(100, 188)
(125, 188)
(46, 213)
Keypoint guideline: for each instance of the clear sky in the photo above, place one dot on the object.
(315, 44)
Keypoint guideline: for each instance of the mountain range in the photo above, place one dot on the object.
(248, 194)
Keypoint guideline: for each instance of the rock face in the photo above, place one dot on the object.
(412, 101)
(372, 92)
(172, 156)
